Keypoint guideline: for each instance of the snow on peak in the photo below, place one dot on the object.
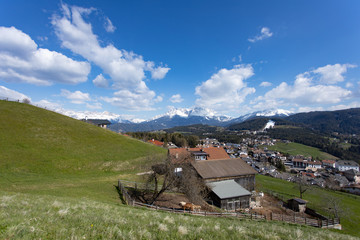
(191, 112)
(274, 112)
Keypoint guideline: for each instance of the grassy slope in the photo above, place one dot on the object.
(317, 197)
(300, 149)
(56, 181)
(45, 152)
(25, 216)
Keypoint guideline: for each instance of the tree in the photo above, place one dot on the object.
(26, 100)
(301, 185)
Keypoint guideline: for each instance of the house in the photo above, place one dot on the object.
(343, 165)
(305, 163)
(98, 122)
(179, 155)
(352, 175)
(229, 195)
(226, 169)
(297, 204)
(328, 163)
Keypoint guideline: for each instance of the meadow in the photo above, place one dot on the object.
(301, 149)
(58, 177)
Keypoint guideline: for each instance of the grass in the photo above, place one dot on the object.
(300, 149)
(317, 197)
(42, 152)
(27, 216)
(57, 182)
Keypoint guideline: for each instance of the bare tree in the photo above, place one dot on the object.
(301, 185)
(26, 100)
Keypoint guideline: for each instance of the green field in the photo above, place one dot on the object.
(44, 152)
(317, 197)
(300, 149)
(57, 182)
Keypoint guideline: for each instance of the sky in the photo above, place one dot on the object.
(139, 58)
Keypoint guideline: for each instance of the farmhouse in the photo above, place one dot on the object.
(98, 122)
(230, 181)
(226, 169)
(305, 163)
(179, 155)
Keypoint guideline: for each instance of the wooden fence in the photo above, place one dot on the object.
(321, 223)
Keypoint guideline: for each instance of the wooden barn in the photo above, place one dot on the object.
(227, 169)
(229, 195)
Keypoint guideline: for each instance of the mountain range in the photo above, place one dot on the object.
(189, 116)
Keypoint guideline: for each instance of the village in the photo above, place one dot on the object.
(228, 171)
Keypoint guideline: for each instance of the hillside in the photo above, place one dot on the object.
(47, 217)
(57, 180)
(47, 152)
(342, 121)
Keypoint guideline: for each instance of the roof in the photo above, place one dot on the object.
(300, 201)
(222, 168)
(228, 189)
(156, 142)
(214, 152)
(347, 163)
(98, 121)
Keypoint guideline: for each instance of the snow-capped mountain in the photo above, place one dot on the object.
(193, 112)
(189, 116)
(265, 113)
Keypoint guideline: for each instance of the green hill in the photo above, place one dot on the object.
(46, 152)
(57, 179)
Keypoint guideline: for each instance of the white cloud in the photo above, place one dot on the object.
(159, 72)
(345, 106)
(95, 105)
(226, 89)
(109, 27)
(264, 33)
(11, 94)
(22, 61)
(47, 104)
(133, 100)
(100, 81)
(126, 69)
(304, 93)
(265, 84)
(349, 85)
(176, 98)
(332, 74)
(76, 97)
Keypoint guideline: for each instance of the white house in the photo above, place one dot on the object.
(344, 165)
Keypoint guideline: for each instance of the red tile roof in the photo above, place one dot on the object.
(156, 142)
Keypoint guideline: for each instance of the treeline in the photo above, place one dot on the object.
(178, 139)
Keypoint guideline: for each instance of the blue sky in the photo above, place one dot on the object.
(140, 58)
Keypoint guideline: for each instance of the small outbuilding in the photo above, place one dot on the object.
(229, 195)
(297, 204)
(103, 123)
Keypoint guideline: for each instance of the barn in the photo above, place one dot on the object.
(230, 180)
(229, 195)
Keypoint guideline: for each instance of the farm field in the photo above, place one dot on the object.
(300, 149)
(318, 199)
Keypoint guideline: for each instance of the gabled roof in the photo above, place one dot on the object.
(227, 189)
(347, 163)
(222, 168)
(214, 152)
